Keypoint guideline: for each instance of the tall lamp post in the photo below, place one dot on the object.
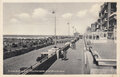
(53, 12)
(73, 29)
(68, 28)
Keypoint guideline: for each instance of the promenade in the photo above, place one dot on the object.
(74, 64)
(79, 60)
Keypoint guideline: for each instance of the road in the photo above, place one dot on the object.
(13, 65)
(74, 64)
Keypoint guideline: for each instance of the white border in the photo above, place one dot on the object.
(72, 75)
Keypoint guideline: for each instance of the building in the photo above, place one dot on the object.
(105, 26)
(107, 17)
(76, 34)
(95, 26)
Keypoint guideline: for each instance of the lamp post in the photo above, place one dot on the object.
(53, 12)
(68, 28)
(73, 29)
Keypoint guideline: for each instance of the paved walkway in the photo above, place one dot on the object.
(74, 64)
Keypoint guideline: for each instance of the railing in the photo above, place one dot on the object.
(97, 59)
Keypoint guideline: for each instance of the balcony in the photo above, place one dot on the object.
(105, 11)
(104, 7)
(104, 23)
(104, 15)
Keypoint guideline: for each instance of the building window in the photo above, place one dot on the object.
(97, 37)
(90, 37)
(104, 35)
(86, 36)
(94, 37)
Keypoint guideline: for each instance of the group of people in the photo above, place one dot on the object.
(63, 52)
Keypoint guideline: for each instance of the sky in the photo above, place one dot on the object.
(38, 19)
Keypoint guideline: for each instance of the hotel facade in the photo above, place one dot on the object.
(106, 25)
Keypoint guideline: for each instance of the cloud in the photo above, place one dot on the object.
(39, 13)
(14, 20)
(67, 15)
(23, 16)
(36, 15)
(94, 11)
(82, 13)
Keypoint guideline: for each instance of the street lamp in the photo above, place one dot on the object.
(53, 12)
(73, 29)
(68, 28)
